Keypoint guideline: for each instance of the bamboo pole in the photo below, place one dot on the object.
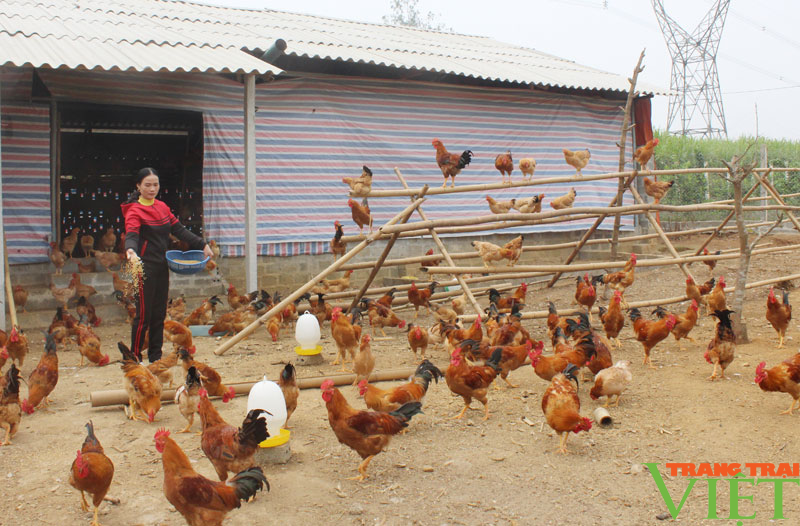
(775, 195)
(725, 221)
(386, 250)
(443, 250)
(302, 290)
(12, 308)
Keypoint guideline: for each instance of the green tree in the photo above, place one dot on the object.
(406, 13)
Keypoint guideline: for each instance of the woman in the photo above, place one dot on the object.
(148, 224)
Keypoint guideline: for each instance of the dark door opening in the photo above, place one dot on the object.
(102, 147)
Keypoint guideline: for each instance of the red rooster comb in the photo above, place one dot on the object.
(229, 395)
(326, 385)
(161, 433)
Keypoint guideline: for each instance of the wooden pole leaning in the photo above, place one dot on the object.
(222, 349)
(379, 263)
(775, 195)
(443, 250)
(12, 308)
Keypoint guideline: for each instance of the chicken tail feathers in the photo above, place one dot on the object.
(248, 482)
(428, 371)
(786, 297)
(254, 428)
(127, 354)
(494, 359)
(466, 158)
(406, 411)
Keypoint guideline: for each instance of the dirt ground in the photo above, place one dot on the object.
(503, 471)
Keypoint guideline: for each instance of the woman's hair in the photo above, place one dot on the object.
(140, 175)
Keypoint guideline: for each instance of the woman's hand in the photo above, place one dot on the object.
(207, 251)
(131, 254)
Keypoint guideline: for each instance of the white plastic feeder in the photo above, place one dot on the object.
(267, 395)
(307, 335)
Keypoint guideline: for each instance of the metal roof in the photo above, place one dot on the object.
(177, 35)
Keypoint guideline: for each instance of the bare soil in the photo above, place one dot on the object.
(503, 471)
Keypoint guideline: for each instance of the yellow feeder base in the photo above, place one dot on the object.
(308, 352)
(277, 440)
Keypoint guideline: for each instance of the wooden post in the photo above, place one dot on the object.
(3, 271)
(302, 290)
(251, 191)
(379, 263)
(12, 309)
(443, 250)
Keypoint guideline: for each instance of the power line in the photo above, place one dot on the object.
(761, 89)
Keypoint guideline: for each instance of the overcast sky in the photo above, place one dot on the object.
(758, 59)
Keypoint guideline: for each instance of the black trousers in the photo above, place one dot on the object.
(151, 309)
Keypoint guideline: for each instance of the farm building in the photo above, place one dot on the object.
(93, 91)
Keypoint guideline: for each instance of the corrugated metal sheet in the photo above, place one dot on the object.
(161, 24)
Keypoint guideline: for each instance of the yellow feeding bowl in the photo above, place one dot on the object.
(308, 352)
(277, 440)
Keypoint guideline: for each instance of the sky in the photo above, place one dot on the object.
(758, 58)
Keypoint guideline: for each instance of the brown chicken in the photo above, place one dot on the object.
(338, 247)
(124, 286)
(86, 265)
(578, 159)
(564, 201)
(387, 299)
(202, 315)
(236, 300)
(612, 381)
(287, 381)
(693, 292)
(657, 189)
(43, 378)
(649, 332)
(449, 163)
(490, 252)
(455, 335)
(366, 432)
(87, 244)
(620, 280)
(82, 289)
(470, 382)
(20, 296)
(507, 303)
(328, 286)
(361, 214)
(710, 263)
(179, 334)
(417, 339)
(108, 259)
(512, 358)
(176, 308)
(212, 381)
(16, 345)
(58, 258)
(392, 399)
(230, 449)
(783, 378)
(63, 295)
(585, 294)
(505, 165)
(593, 345)
(561, 407)
(91, 472)
(364, 361)
(779, 314)
(346, 335)
(684, 325)
(108, 240)
(143, 388)
(162, 368)
(715, 300)
(432, 263)
(85, 310)
(10, 411)
(360, 186)
(89, 347)
(720, 350)
(527, 165)
(380, 317)
(643, 154)
(613, 320)
(529, 205)
(273, 326)
(127, 304)
(421, 297)
(547, 367)
(500, 207)
(201, 501)
(187, 397)
(69, 242)
(320, 308)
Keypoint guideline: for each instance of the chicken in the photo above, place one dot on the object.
(512, 358)
(490, 252)
(561, 407)
(179, 334)
(585, 294)
(10, 412)
(783, 378)
(108, 240)
(421, 297)
(505, 165)
(69, 242)
(187, 397)
(527, 165)
(693, 292)
(449, 163)
(89, 347)
(529, 205)
(328, 286)
(721, 348)
(87, 265)
(612, 382)
(649, 332)
(346, 335)
(176, 308)
(287, 381)
(366, 432)
(143, 388)
(613, 320)
(364, 360)
(201, 501)
(212, 244)
(161, 368)
(593, 345)
(577, 160)
(362, 185)
(212, 381)
(500, 207)
(685, 323)
(470, 382)
(621, 279)
(657, 189)
(63, 295)
(91, 472)
(236, 300)
(87, 244)
(433, 263)
(508, 303)
(82, 289)
(455, 335)
(57, 258)
(547, 367)
(459, 303)
(320, 308)
(716, 298)
(273, 326)
(361, 214)
(230, 449)
(43, 378)
(387, 299)
(20, 296)
(564, 201)
(127, 304)
(108, 259)
(202, 315)
(643, 154)
(338, 247)
(392, 399)
(779, 314)
(711, 263)
(417, 339)
(124, 286)
(85, 309)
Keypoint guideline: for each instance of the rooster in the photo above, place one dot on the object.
(643, 154)
(657, 189)
(470, 382)
(449, 163)
(187, 397)
(394, 398)
(783, 378)
(91, 472)
(577, 160)
(721, 348)
(613, 319)
(421, 297)
(338, 247)
(143, 388)
(561, 407)
(585, 294)
(288, 384)
(649, 332)
(711, 263)
(505, 165)
(212, 381)
(43, 379)
(779, 314)
(10, 411)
